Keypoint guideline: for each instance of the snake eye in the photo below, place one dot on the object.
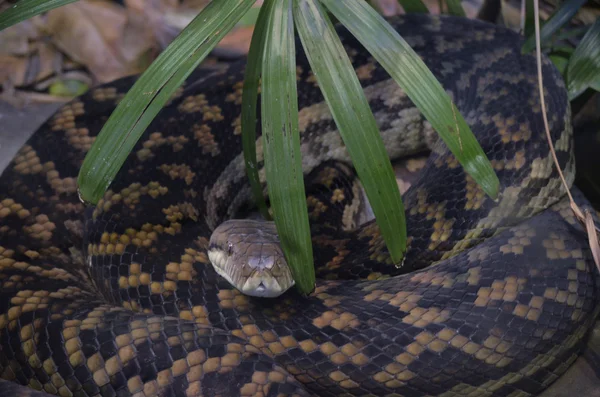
(229, 248)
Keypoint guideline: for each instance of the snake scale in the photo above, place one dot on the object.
(121, 299)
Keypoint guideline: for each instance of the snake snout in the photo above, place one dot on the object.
(267, 277)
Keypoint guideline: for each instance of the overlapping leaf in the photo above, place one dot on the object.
(249, 101)
(356, 123)
(583, 70)
(560, 17)
(26, 9)
(151, 91)
(421, 86)
(281, 141)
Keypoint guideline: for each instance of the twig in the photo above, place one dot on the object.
(586, 218)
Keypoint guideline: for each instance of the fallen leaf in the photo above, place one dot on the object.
(41, 62)
(592, 237)
(99, 35)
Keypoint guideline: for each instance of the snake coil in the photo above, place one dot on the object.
(121, 299)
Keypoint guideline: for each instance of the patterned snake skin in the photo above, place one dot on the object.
(121, 299)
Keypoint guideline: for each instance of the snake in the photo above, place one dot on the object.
(494, 297)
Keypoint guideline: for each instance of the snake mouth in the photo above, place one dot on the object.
(262, 286)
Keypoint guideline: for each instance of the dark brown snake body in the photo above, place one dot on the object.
(121, 299)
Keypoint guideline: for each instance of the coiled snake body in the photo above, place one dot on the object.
(121, 299)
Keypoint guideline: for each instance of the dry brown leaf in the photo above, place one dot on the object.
(109, 39)
(99, 35)
(237, 42)
(15, 40)
(592, 237)
(77, 30)
(28, 59)
(12, 69)
(389, 7)
(147, 19)
(42, 62)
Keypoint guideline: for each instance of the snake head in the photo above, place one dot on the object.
(248, 255)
